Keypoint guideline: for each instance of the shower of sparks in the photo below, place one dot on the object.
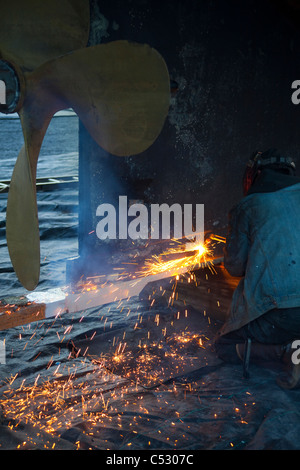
(63, 399)
(100, 390)
(95, 397)
(184, 257)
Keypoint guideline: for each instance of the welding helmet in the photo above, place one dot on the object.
(271, 159)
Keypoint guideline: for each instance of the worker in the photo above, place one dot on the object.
(263, 248)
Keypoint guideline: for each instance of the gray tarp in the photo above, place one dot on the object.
(54, 396)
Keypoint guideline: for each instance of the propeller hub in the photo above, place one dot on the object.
(10, 88)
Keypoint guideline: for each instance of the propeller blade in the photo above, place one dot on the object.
(119, 90)
(22, 231)
(22, 227)
(121, 93)
(35, 31)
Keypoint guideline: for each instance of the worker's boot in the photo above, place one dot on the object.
(260, 353)
(291, 379)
